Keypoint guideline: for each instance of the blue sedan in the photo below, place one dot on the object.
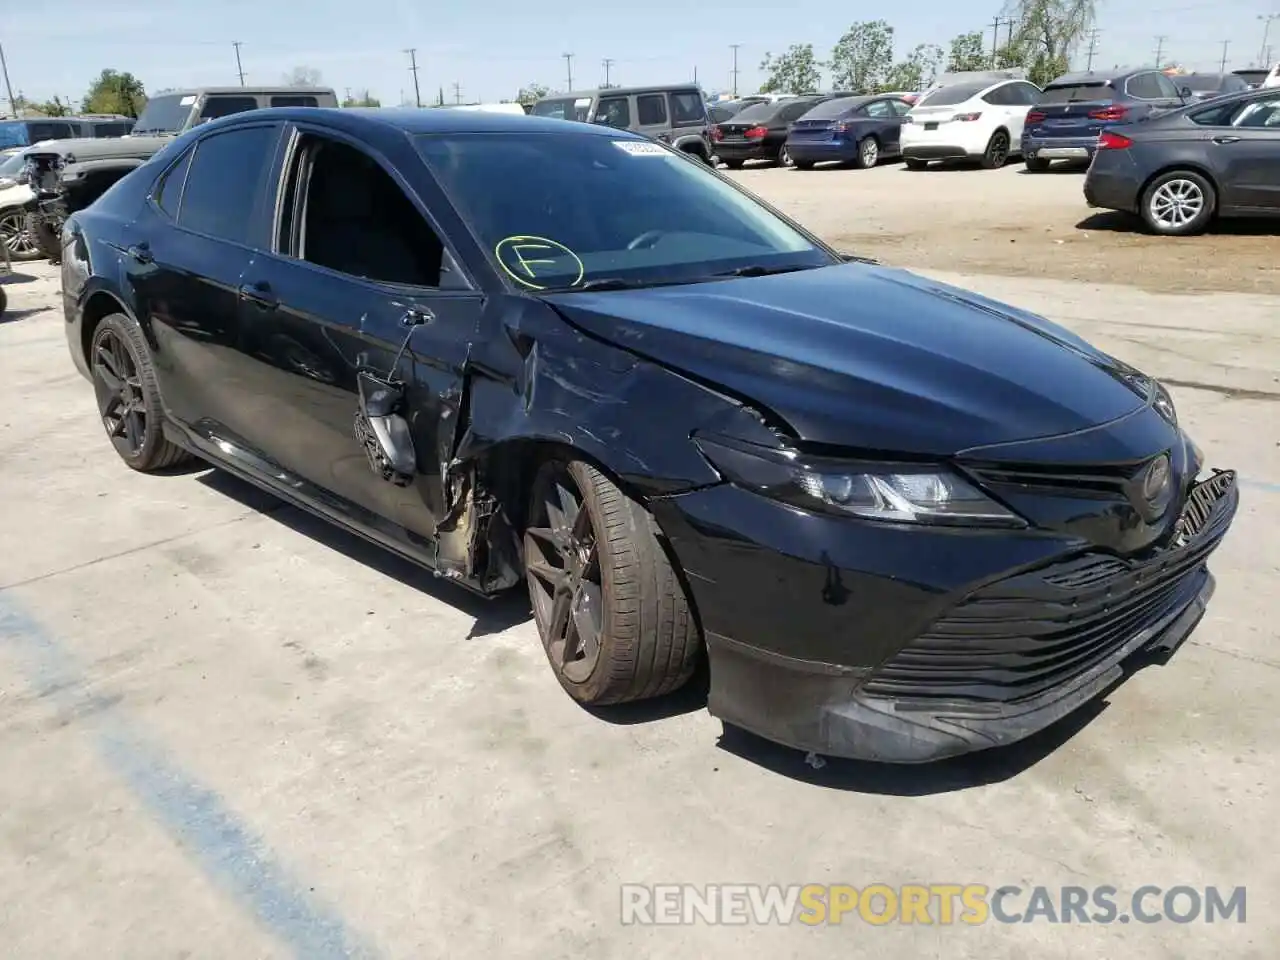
(861, 130)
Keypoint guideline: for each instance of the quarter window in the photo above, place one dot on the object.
(651, 109)
(294, 101)
(224, 182)
(1144, 86)
(169, 193)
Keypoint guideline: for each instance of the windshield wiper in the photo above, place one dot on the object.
(759, 270)
(610, 283)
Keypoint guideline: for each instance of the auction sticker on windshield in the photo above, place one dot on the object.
(637, 149)
(526, 258)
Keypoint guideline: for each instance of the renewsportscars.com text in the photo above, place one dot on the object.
(937, 903)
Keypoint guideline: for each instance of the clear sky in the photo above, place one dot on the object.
(492, 48)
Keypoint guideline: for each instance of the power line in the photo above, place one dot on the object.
(413, 68)
(734, 72)
(14, 107)
(568, 66)
(607, 62)
(239, 66)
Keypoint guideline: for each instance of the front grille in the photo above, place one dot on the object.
(1019, 637)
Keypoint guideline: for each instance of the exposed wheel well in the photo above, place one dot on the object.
(1175, 168)
(694, 148)
(99, 305)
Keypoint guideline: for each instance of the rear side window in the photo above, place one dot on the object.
(169, 193)
(651, 109)
(219, 106)
(1077, 93)
(51, 131)
(900, 107)
(1144, 86)
(294, 101)
(999, 97)
(880, 109)
(224, 182)
(111, 129)
(686, 108)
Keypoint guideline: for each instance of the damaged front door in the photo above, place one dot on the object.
(357, 327)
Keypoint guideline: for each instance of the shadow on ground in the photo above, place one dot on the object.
(1114, 221)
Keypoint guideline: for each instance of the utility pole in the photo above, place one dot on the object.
(239, 66)
(457, 92)
(413, 68)
(348, 98)
(1093, 49)
(695, 73)
(734, 72)
(568, 66)
(14, 106)
(996, 24)
(1264, 51)
(1160, 49)
(607, 62)
(1222, 67)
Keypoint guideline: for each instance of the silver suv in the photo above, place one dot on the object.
(673, 114)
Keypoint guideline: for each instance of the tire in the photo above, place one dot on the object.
(913, 163)
(4, 302)
(1178, 203)
(15, 235)
(997, 153)
(868, 153)
(648, 642)
(131, 413)
(784, 156)
(733, 164)
(1036, 164)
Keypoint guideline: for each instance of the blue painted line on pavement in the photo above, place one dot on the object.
(195, 816)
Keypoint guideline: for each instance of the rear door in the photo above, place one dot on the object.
(1075, 110)
(651, 116)
(886, 123)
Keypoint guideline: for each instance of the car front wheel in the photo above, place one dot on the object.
(1178, 203)
(124, 384)
(611, 612)
(16, 235)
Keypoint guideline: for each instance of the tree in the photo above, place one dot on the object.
(917, 71)
(968, 53)
(303, 77)
(863, 58)
(532, 93)
(115, 92)
(1048, 33)
(794, 71)
(51, 108)
(365, 99)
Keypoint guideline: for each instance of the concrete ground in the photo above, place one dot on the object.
(227, 730)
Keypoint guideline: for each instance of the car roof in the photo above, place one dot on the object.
(623, 91)
(243, 91)
(1083, 77)
(412, 121)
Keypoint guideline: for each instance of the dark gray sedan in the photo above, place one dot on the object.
(1219, 158)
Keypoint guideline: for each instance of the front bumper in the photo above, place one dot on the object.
(915, 645)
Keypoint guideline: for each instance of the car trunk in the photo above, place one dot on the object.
(1079, 110)
(813, 130)
(933, 118)
(735, 131)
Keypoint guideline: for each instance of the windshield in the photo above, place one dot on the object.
(558, 211)
(830, 109)
(167, 114)
(13, 134)
(12, 166)
(562, 108)
(950, 96)
(1076, 93)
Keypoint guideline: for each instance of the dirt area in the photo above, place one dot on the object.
(1013, 223)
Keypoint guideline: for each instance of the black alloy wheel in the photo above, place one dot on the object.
(562, 563)
(128, 401)
(997, 153)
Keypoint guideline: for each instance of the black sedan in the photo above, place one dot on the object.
(902, 521)
(858, 130)
(760, 131)
(1219, 158)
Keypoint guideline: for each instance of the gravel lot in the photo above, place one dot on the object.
(227, 730)
(1013, 223)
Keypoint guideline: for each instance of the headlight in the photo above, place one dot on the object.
(1164, 403)
(895, 492)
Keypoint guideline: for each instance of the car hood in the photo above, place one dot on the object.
(869, 357)
(82, 149)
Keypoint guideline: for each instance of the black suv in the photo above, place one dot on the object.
(673, 114)
(16, 134)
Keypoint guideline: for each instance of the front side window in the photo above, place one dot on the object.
(614, 112)
(1259, 113)
(606, 208)
(880, 109)
(224, 182)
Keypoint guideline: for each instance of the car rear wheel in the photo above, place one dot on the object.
(1178, 203)
(16, 236)
(784, 156)
(1036, 164)
(997, 153)
(124, 384)
(868, 153)
(733, 164)
(611, 612)
(914, 163)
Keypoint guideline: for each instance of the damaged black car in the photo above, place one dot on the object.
(900, 520)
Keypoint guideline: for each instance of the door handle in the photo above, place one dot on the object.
(1226, 139)
(141, 252)
(259, 294)
(416, 317)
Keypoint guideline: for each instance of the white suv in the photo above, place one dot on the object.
(973, 120)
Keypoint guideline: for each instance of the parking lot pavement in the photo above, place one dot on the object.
(1009, 222)
(228, 731)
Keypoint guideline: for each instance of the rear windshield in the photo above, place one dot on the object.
(1076, 93)
(829, 109)
(562, 108)
(759, 112)
(957, 93)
